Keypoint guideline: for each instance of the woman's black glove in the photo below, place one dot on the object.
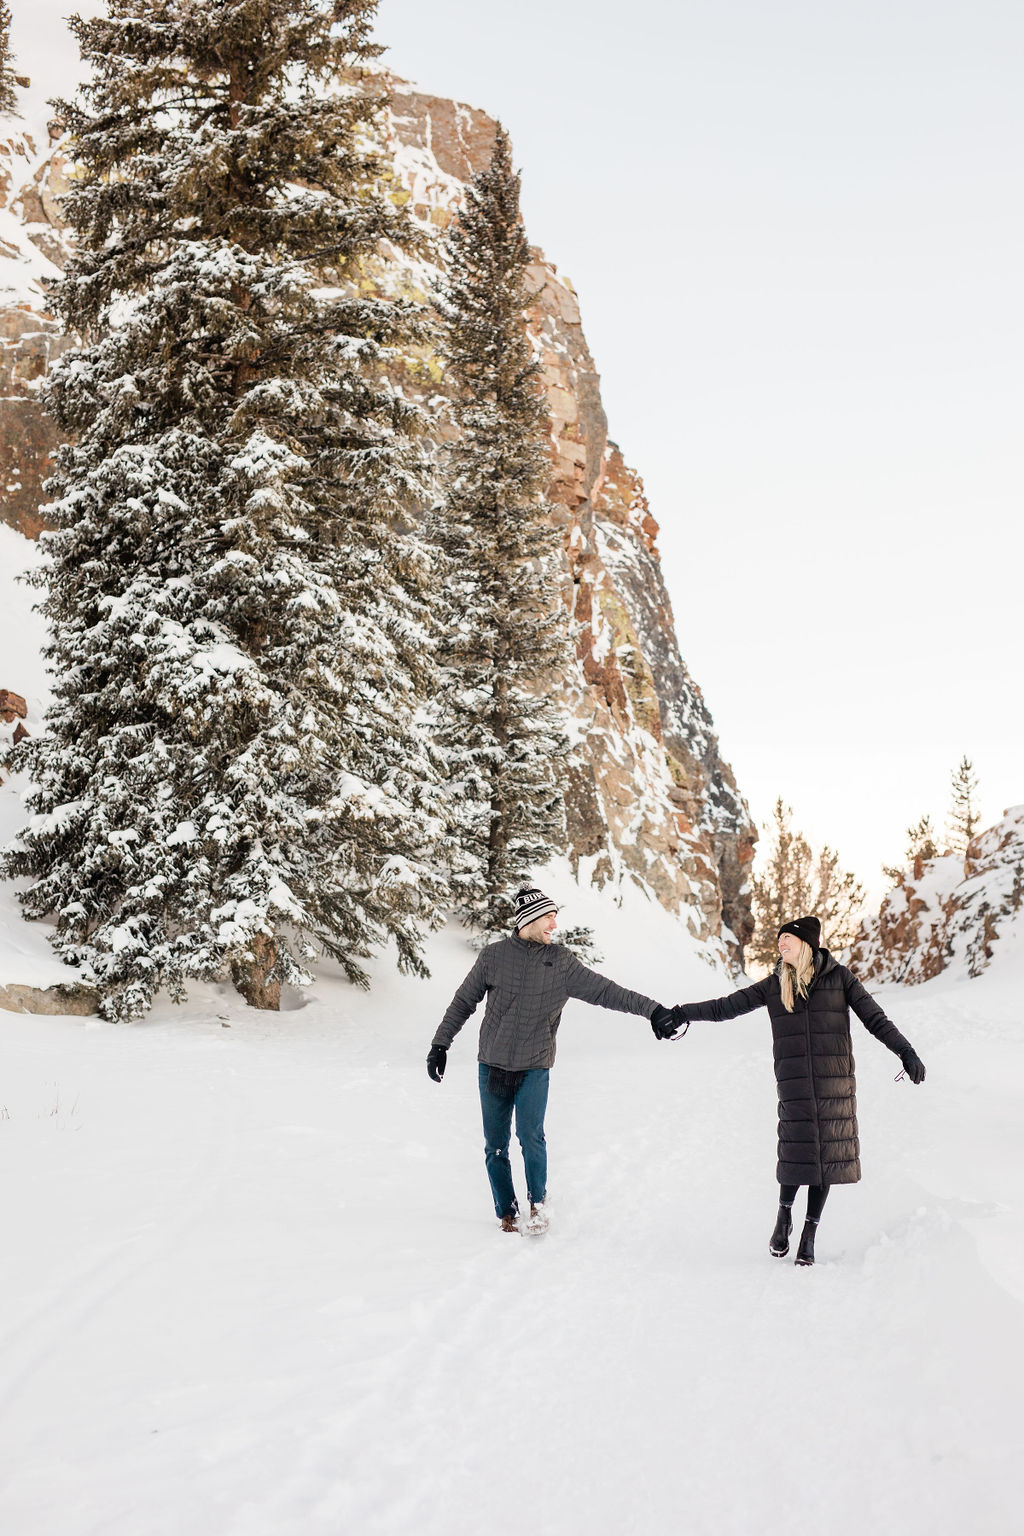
(663, 1022)
(437, 1059)
(913, 1066)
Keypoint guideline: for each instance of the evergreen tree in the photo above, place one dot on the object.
(8, 79)
(837, 897)
(231, 778)
(506, 649)
(964, 819)
(795, 882)
(921, 846)
(782, 892)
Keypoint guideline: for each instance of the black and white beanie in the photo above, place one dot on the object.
(531, 903)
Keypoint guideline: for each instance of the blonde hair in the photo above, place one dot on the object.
(796, 979)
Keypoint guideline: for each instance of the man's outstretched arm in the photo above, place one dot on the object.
(591, 987)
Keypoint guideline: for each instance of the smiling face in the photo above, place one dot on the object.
(541, 929)
(789, 947)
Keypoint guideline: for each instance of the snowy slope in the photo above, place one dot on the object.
(252, 1285)
(950, 914)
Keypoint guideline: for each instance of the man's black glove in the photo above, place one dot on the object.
(663, 1022)
(913, 1066)
(437, 1058)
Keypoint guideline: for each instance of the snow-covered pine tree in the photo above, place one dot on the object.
(231, 777)
(8, 79)
(964, 818)
(506, 648)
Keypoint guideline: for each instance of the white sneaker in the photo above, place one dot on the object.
(538, 1220)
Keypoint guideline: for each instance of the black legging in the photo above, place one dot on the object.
(817, 1194)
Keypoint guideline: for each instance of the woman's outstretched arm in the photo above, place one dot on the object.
(872, 1015)
(874, 1018)
(729, 1007)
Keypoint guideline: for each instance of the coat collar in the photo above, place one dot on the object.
(530, 945)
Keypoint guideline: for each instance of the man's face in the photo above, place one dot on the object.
(541, 929)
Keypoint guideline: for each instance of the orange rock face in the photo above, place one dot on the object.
(31, 179)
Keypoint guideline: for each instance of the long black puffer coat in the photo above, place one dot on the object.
(818, 1141)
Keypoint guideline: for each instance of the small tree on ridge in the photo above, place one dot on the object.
(964, 817)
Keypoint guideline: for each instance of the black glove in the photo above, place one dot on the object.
(437, 1058)
(663, 1022)
(913, 1066)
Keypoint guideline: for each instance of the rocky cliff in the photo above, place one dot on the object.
(949, 913)
(649, 794)
(32, 248)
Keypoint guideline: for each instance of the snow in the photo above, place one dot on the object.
(253, 1285)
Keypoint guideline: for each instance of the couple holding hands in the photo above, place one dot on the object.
(528, 980)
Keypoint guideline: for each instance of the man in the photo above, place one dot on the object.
(528, 981)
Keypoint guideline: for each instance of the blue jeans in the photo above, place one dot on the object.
(529, 1103)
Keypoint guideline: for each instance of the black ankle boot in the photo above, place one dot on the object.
(805, 1252)
(779, 1244)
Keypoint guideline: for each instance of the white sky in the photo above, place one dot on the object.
(797, 233)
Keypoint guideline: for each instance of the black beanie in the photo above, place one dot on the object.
(806, 928)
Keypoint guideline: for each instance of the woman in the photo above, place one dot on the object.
(809, 996)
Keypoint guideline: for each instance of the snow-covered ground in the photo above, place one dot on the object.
(252, 1285)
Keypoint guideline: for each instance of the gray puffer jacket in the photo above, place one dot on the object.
(527, 986)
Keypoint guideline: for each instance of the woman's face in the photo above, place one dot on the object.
(789, 947)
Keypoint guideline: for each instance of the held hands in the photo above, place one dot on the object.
(665, 1022)
(437, 1058)
(913, 1066)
